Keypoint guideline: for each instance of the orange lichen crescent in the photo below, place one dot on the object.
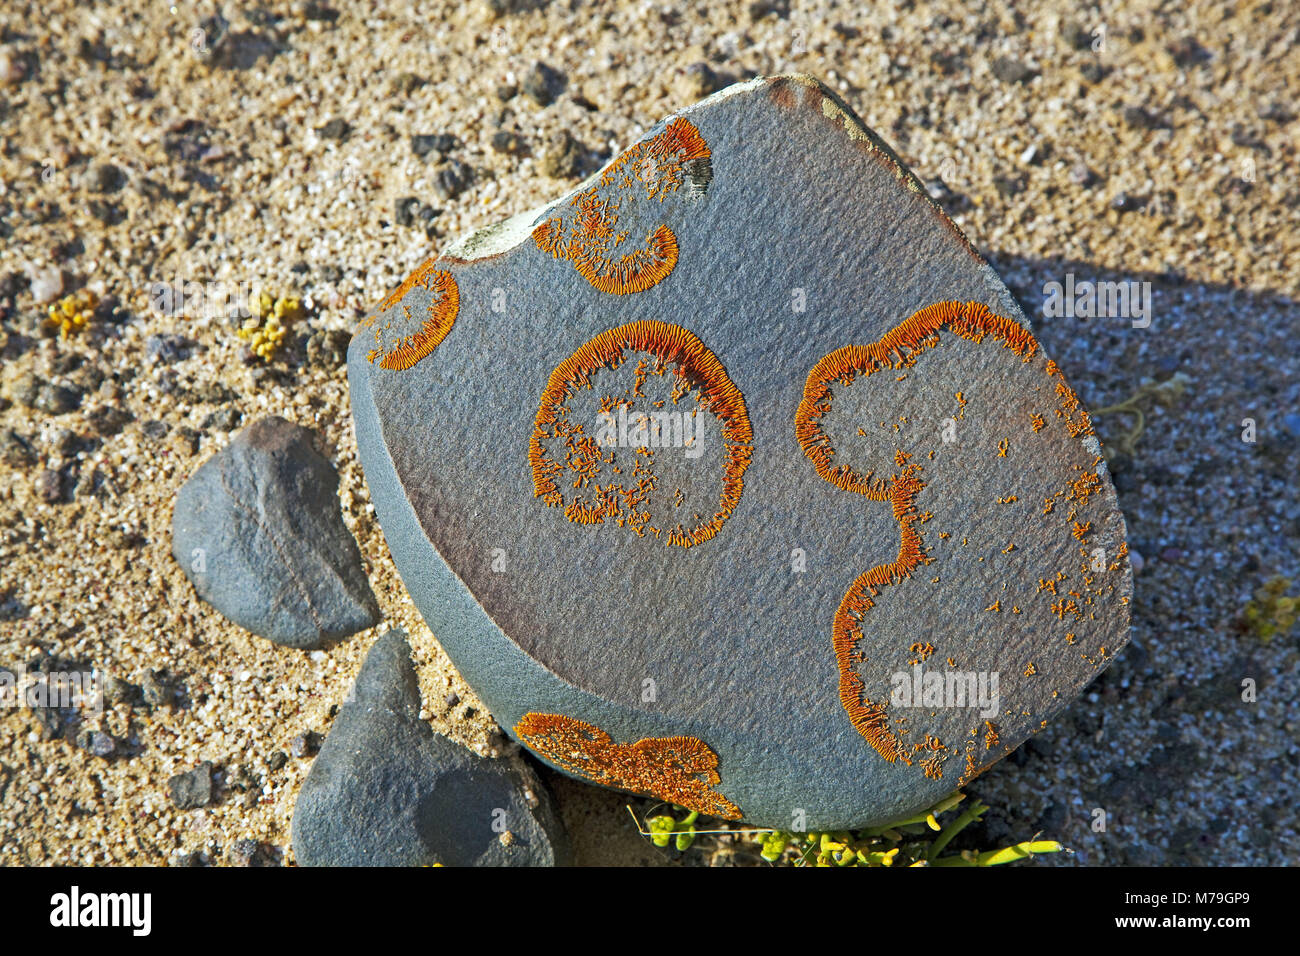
(682, 770)
(624, 499)
(402, 339)
(897, 349)
(649, 171)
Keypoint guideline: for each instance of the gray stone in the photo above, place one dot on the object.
(562, 158)
(257, 530)
(743, 675)
(193, 788)
(543, 84)
(387, 791)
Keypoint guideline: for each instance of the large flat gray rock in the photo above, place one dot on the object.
(872, 478)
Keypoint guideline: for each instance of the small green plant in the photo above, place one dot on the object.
(664, 828)
(1166, 393)
(1272, 611)
(918, 840)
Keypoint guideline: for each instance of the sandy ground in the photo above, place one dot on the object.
(1166, 155)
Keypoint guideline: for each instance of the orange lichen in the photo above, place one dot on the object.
(626, 503)
(970, 320)
(400, 344)
(591, 236)
(682, 770)
(900, 348)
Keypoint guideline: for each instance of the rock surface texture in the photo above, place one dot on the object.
(387, 791)
(258, 532)
(737, 478)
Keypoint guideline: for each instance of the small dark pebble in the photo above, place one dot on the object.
(167, 348)
(1139, 118)
(336, 129)
(120, 540)
(49, 486)
(24, 388)
(504, 141)
(320, 13)
(106, 178)
(407, 82)
(306, 744)
(1010, 70)
(109, 420)
(214, 393)
(15, 450)
(119, 691)
(452, 180)
(277, 760)
(224, 419)
(1123, 202)
(439, 144)
(12, 285)
(155, 429)
(1187, 51)
(562, 158)
(702, 80)
(328, 348)
(1093, 72)
(192, 789)
(1082, 176)
(507, 92)
(66, 443)
(108, 213)
(57, 399)
(158, 689)
(246, 852)
(1008, 186)
(98, 743)
(1053, 819)
(452, 698)
(1076, 35)
(410, 211)
(543, 84)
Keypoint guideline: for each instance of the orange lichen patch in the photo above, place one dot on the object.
(899, 349)
(868, 718)
(900, 346)
(1079, 530)
(418, 277)
(401, 342)
(1071, 412)
(682, 770)
(990, 735)
(626, 503)
(588, 234)
(1085, 486)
